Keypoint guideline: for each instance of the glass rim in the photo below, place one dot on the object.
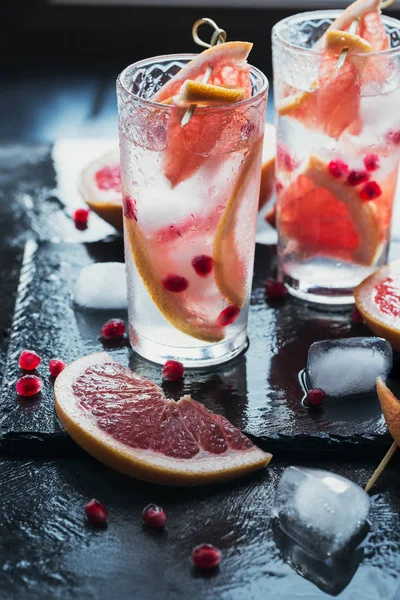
(277, 33)
(188, 56)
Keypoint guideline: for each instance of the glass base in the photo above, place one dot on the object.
(328, 298)
(202, 356)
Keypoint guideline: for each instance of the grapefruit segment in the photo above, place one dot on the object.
(231, 247)
(356, 10)
(206, 94)
(126, 422)
(390, 408)
(378, 300)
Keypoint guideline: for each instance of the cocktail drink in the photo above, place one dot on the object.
(337, 92)
(190, 195)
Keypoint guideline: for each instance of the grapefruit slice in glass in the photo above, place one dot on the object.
(378, 300)
(126, 422)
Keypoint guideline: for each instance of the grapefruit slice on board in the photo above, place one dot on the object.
(232, 244)
(378, 300)
(187, 147)
(100, 187)
(126, 422)
(390, 407)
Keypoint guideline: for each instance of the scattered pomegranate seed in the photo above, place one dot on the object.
(203, 265)
(357, 177)
(154, 516)
(56, 366)
(370, 191)
(113, 329)
(172, 370)
(109, 178)
(28, 360)
(315, 397)
(175, 283)
(275, 290)
(206, 556)
(394, 136)
(96, 512)
(338, 168)
(29, 385)
(371, 162)
(81, 216)
(356, 315)
(228, 315)
(130, 208)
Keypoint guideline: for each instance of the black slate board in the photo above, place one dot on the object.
(259, 391)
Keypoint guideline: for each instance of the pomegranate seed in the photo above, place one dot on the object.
(29, 385)
(356, 315)
(56, 366)
(394, 136)
(172, 370)
(315, 397)
(113, 329)
(338, 168)
(96, 512)
(206, 556)
(370, 191)
(154, 516)
(175, 283)
(109, 178)
(228, 315)
(275, 290)
(81, 216)
(130, 208)
(356, 177)
(371, 162)
(203, 265)
(28, 360)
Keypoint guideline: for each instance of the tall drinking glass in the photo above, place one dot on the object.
(338, 132)
(190, 208)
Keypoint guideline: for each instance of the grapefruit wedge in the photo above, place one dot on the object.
(126, 422)
(378, 300)
(207, 94)
(390, 408)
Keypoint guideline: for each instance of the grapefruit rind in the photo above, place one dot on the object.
(390, 406)
(382, 324)
(206, 94)
(337, 40)
(145, 465)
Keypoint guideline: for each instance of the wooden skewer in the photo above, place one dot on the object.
(345, 51)
(385, 461)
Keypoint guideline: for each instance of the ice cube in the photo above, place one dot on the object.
(102, 286)
(322, 512)
(348, 366)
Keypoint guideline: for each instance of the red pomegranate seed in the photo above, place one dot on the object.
(356, 315)
(275, 290)
(28, 360)
(228, 315)
(357, 177)
(113, 329)
(56, 366)
(130, 208)
(29, 385)
(172, 370)
(81, 216)
(96, 512)
(370, 191)
(338, 168)
(203, 265)
(371, 162)
(206, 556)
(109, 178)
(175, 283)
(315, 397)
(154, 516)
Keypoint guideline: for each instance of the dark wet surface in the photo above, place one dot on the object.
(47, 551)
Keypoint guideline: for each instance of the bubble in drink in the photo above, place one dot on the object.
(348, 366)
(102, 286)
(321, 511)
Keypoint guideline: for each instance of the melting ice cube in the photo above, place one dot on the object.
(102, 286)
(322, 512)
(348, 366)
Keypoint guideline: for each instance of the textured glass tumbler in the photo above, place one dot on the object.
(190, 207)
(338, 148)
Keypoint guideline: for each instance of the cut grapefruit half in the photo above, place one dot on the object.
(378, 300)
(390, 408)
(126, 422)
(100, 187)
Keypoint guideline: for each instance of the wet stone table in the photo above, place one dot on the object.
(45, 479)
